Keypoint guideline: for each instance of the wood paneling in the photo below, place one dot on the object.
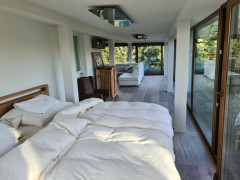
(107, 79)
(7, 102)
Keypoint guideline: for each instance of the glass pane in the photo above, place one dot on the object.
(204, 75)
(76, 52)
(113, 15)
(231, 143)
(105, 55)
(121, 54)
(151, 57)
(189, 90)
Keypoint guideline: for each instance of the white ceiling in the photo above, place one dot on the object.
(155, 18)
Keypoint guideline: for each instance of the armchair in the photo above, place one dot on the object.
(86, 89)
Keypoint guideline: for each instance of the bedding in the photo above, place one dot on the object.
(39, 104)
(18, 116)
(116, 144)
(29, 131)
(8, 138)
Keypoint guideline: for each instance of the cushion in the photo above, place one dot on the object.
(121, 69)
(38, 104)
(14, 122)
(26, 118)
(7, 138)
(87, 85)
(129, 69)
(15, 116)
(128, 77)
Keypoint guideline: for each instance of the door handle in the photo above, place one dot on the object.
(220, 93)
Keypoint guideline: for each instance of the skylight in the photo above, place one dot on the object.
(113, 15)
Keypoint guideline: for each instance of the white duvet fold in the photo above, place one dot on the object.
(140, 114)
(131, 105)
(117, 153)
(28, 160)
(116, 122)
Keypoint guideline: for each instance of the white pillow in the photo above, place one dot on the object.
(25, 118)
(15, 116)
(7, 139)
(57, 108)
(39, 104)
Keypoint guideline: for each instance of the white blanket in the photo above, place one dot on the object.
(116, 145)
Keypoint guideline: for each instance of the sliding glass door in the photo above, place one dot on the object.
(206, 42)
(230, 163)
(204, 76)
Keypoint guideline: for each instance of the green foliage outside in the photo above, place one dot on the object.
(150, 55)
(121, 54)
(234, 50)
(206, 45)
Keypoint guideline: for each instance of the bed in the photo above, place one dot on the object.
(28, 130)
(98, 140)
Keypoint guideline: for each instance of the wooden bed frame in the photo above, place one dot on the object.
(7, 102)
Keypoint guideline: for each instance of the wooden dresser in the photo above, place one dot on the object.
(107, 79)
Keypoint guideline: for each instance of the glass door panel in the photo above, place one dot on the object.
(206, 42)
(189, 88)
(152, 58)
(231, 143)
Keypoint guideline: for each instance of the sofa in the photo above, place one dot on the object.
(133, 78)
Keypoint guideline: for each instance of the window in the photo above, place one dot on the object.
(152, 55)
(105, 55)
(76, 52)
(121, 53)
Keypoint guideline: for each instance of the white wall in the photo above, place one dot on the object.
(86, 54)
(170, 65)
(29, 56)
(182, 58)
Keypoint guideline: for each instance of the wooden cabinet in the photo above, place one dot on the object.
(107, 79)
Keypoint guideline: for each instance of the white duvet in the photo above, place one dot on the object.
(118, 144)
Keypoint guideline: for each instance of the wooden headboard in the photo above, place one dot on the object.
(7, 102)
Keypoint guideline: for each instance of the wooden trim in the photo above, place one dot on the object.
(149, 44)
(153, 74)
(216, 89)
(200, 130)
(224, 85)
(121, 44)
(11, 99)
(207, 19)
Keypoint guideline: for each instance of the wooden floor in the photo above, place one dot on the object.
(193, 159)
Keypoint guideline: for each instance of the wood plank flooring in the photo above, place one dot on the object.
(193, 159)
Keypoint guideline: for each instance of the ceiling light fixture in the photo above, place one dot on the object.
(140, 36)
